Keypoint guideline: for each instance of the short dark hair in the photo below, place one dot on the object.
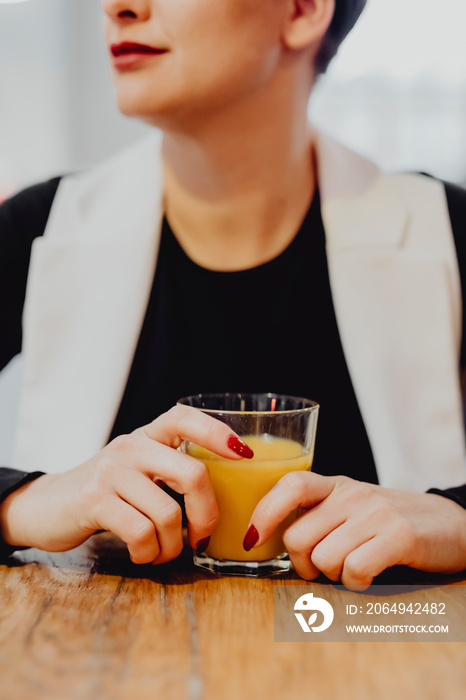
(344, 18)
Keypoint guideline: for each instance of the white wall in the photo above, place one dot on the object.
(33, 131)
(56, 104)
(397, 90)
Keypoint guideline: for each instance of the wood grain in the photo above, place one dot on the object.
(89, 624)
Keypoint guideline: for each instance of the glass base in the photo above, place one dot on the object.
(253, 569)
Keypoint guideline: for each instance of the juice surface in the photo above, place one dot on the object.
(239, 485)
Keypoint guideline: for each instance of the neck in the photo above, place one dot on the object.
(238, 187)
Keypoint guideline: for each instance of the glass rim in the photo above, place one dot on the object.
(309, 408)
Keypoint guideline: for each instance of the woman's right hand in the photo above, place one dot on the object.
(116, 490)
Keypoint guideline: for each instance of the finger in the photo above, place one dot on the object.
(182, 473)
(131, 526)
(187, 423)
(370, 559)
(302, 564)
(329, 555)
(294, 490)
(308, 535)
(165, 514)
(323, 535)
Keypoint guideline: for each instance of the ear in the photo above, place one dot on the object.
(307, 22)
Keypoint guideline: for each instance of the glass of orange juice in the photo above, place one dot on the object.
(281, 431)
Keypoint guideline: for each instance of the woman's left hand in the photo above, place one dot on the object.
(352, 531)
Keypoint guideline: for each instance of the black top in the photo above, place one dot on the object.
(268, 328)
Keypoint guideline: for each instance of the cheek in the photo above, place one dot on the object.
(227, 36)
(227, 58)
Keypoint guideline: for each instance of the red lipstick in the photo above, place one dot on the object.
(129, 54)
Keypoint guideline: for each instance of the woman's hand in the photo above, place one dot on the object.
(352, 531)
(116, 491)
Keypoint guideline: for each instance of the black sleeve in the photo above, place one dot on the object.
(456, 199)
(456, 494)
(10, 480)
(23, 217)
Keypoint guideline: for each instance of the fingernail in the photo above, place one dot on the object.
(202, 545)
(240, 447)
(250, 539)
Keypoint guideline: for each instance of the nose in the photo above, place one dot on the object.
(123, 11)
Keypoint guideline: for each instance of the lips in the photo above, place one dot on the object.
(131, 48)
(130, 56)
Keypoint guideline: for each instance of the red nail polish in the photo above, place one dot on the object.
(250, 539)
(202, 545)
(240, 447)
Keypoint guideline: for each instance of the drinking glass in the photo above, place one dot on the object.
(281, 431)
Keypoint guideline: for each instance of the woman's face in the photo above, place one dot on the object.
(201, 55)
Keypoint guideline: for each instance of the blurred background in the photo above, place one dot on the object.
(396, 93)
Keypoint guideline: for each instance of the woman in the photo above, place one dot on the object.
(231, 205)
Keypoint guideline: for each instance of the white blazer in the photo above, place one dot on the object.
(395, 287)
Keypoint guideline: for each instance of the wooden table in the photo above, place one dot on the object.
(89, 624)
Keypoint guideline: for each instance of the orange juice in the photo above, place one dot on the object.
(240, 485)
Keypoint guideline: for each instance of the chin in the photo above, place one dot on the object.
(167, 115)
(172, 107)
(148, 114)
(132, 102)
(137, 102)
